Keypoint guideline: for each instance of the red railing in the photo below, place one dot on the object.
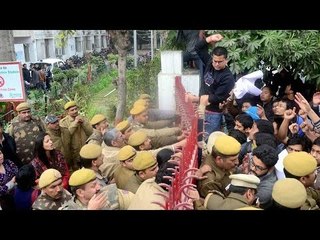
(184, 172)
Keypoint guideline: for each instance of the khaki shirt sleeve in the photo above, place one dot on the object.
(125, 198)
(208, 184)
(158, 124)
(87, 128)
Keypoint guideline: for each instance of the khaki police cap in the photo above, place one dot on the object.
(137, 138)
(143, 160)
(126, 153)
(227, 145)
(97, 118)
(90, 151)
(49, 176)
(289, 192)
(299, 163)
(123, 126)
(23, 106)
(81, 176)
(244, 180)
(212, 139)
(141, 102)
(69, 105)
(145, 96)
(137, 109)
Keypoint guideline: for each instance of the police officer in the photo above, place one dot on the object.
(24, 129)
(222, 161)
(53, 195)
(242, 189)
(288, 194)
(79, 128)
(100, 124)
(302, 166)
(145, 166)
(89, 195)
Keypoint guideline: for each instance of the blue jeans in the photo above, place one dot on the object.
(213, 122)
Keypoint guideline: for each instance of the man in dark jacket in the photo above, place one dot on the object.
(216, 84)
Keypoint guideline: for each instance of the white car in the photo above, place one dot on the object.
(53, 62)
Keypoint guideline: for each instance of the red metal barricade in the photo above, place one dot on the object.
(184, 172)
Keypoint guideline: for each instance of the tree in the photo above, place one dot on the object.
(122, 42)
(7, 53)
(298, 49)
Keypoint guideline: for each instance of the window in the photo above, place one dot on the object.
(78, 44)
(96, 42)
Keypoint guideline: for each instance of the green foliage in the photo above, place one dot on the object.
(172, 42)
(98, 103)
(299, 49)
(71, 73)
(112, 58)
(59, 77)
(62, 37)
(142, 80)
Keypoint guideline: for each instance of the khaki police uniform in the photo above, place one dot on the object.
(217, 201)
(218, 179)
(301, 164)
(96, 137)
(79, 134)
(25, 134)
(45, 202)
(117, 199)
(147, 196)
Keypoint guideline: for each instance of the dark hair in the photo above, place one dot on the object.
(270, 89)
(265, 138)
(86, 163)
(239, 190)
(238, 135)
(289, 175)
(316, 141)
(40, 152)
(266, 154)
(163, 156)
(265, 126)
(165, 171)
(295, 140)
(245, 119)
(25, 177)
(277, 206)
(220, 51)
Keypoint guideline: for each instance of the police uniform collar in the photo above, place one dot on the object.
(238, 197)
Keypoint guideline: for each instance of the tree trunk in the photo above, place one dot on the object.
(121, 40)
(122, 87)
(7, 53)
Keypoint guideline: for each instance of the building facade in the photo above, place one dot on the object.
(35, 45)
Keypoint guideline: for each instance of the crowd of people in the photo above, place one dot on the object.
(76, 163)
(262, 151)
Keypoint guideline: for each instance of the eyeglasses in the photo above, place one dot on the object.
(256, 166)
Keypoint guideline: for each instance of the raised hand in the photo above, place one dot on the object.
(302, 102)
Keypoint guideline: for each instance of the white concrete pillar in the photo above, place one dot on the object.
(171, 66)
